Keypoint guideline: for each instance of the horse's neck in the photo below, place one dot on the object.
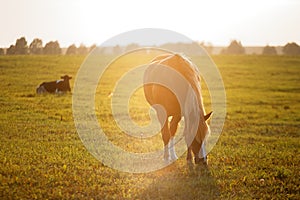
(193, 112)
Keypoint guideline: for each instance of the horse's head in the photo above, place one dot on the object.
(203, 131)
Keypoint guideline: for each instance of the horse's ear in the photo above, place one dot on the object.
(206, 117)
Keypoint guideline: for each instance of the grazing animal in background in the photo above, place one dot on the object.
(187, 103)
(59, 86)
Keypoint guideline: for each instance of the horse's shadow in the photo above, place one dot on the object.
(182, 181)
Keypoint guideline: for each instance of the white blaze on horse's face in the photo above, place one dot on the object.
(202, 152)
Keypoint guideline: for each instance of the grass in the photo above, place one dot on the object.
(256, 157)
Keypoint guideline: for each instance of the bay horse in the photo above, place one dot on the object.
(172, 88)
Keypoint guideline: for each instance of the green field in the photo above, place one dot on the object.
(257, 155)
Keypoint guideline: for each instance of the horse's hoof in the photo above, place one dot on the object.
(204, 162)
(166, 158)
(189, 163)
(173, 157)
(201, 161)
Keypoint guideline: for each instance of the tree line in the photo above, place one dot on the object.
(237, 48)
(36, 47)
(53, 48)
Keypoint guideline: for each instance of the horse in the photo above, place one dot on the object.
(172, 88)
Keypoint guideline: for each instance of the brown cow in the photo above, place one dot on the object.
(59, 86)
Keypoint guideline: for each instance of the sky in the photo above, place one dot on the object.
(253, 22)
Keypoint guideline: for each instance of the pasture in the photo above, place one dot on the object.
(257, 155)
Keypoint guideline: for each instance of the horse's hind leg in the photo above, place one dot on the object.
(189, 154)
(173, 128)
(166, 138)
(165, 132)
(174, 124)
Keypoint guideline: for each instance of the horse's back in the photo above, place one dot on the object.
(159, 94)
(167, 68)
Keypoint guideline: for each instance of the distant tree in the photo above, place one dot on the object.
(92, 47)
(117, 49)
(72, 50)
(132, 46)
(1, 51)
(102, 50)
(21, 46)
(52, 48)
(82, 50)
(235, 47)
(11, 50)
(207, 46)
(269, 50)
(36, 46)
(291, 49)
(191, 48)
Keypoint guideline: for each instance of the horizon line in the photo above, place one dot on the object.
(204, 43)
